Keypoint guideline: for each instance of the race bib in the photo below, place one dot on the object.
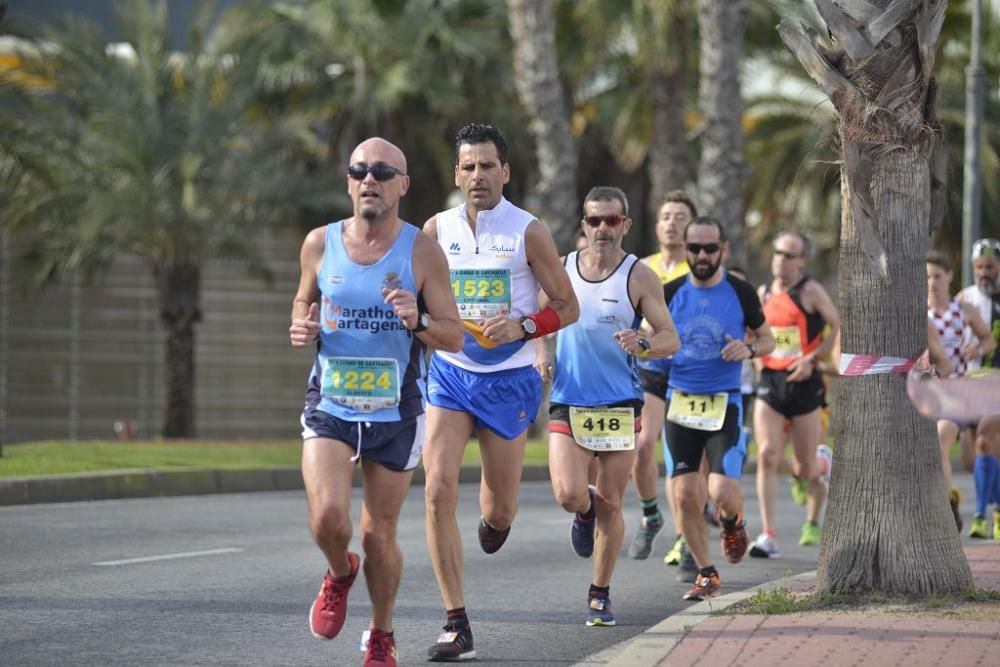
(481, 293)
(361, 384)
(787, 342)
(697, 411)
(603, 429)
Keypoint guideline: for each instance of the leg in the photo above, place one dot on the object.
(769, 427)
(448, 433)
(805, 438)
(502, 461)
(967, 439)
(612, 480)
(726, 493)
(947, 432)
(327, 470)
(384, 493)
(644, 469)
(689, 497)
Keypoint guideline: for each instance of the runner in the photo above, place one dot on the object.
(499, 256)
(712, 311)
(597, 392)
(791, 388)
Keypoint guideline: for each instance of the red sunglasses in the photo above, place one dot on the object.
(609, 220)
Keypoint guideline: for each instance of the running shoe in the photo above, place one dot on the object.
(491, 539)
(645, 537)
(825, 453)
(381, 650)
(735, 540)
(582, 533)
(810, 534)
(800, 491)
(329, 609)
(453, 645)
(954, 500)
(996, 524)
(599, 611)
(704, 587)
(979, 528)
(765, 546)
(687, 569)
(673, 556)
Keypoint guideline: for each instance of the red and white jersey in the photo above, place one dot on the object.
(950, 325)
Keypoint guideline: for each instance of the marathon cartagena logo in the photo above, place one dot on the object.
(371, 319)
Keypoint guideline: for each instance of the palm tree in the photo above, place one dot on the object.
(888, 526)
(135, 149)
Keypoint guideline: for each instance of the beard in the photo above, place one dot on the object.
(371, 212)
(988, 287)
(705, 269)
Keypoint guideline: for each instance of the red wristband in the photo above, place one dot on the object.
(546, 322)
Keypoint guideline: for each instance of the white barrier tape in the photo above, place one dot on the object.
(873, 364)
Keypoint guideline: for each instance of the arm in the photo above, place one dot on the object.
(430, 271)
(650, 302)
(738, 350)
(981, 331)
(936, 351)
(552, 278)
(803, 367)
(305, 325)
(431, 227)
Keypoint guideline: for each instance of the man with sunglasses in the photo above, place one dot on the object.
(596, 391)
(791, 389)
(499, 256)
(984, 296)
(373, 294)
(713, 312)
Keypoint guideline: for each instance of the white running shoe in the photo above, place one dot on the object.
(825, 453)
(765, 546)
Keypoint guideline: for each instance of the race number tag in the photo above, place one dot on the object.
(787, 342)
(481, 293)
(361, 384)
(603, 429)
(697, 411)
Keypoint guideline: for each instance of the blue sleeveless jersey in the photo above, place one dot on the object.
(356, 323)
(703, 317)
(591, 367)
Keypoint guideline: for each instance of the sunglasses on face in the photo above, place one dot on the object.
(379, 171)
(786, 254)
(709, 248)
(609, 220)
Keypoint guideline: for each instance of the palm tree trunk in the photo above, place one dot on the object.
(888, 525)
(532, 26)
(179, 292)
(669, 166)
(722, 170)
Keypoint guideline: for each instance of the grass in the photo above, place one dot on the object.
(57, 457)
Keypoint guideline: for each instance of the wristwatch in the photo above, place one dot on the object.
(753, 350)
(644, 344)
(423, 322)
(529, 327)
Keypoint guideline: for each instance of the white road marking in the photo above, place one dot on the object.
(186, 554)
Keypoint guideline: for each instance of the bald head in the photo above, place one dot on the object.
(377, 149)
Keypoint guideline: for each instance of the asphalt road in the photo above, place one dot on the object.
(228, 580)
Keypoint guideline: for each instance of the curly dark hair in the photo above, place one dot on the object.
(482, 133)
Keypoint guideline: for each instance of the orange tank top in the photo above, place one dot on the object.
(796, 332)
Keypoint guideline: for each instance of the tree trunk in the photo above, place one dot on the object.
(669, 167)
(888, 525)
(722, 170)
(179, 292)
(532, 26)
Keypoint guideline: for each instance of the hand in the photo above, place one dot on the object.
(404, 303)
(735, 350)
(543, 364)
(305, 330)
(503, 329)
(629, 341)
(971, 351)
(801, 369)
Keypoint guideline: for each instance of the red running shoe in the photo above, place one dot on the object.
(381, 649)
(329, 609)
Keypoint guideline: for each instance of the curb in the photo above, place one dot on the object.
(189, 482)
(652, 646)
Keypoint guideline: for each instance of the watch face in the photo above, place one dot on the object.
(528, 325)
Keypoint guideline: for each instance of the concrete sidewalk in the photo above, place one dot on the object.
(697, 638)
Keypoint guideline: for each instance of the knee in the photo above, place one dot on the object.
(377, 539)
(769, 458)
(687, 497)
(440, 497)
(329, 523)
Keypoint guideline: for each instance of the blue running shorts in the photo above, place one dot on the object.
(397, 445)
(726, 449)
(505, 402)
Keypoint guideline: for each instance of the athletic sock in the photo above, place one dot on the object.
(984, 473)
(603, 591)
(708, 571)
(649, 507)
(457, 615)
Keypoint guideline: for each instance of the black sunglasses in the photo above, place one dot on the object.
(786, 254)
(609, 220)
(380, 171)
(709, 248)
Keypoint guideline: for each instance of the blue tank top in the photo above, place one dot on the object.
(703, 317)
(591, 367)
(366, 356)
